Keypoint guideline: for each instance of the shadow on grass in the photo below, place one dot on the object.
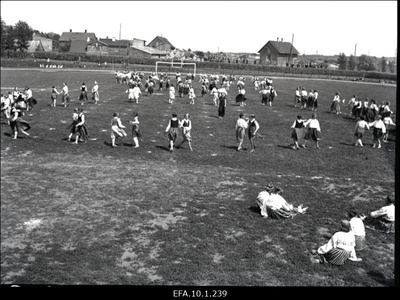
(233, 147)
(7, 134)
(347, 144)
(213, 116)
(290, 147)
(379, 277)
(255, 209)
(163, 148)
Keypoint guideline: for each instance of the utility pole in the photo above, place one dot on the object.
(291, 47)
(355, 50)
(120, 31)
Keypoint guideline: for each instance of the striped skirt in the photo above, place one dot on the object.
(336, 256)
(281, 214)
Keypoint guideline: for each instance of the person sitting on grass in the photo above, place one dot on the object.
(340, 247)
(383, 218)
(273, 205)
(358, 228)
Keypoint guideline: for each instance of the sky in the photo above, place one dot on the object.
(316, 27)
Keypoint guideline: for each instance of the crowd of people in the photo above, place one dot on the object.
(343, 244)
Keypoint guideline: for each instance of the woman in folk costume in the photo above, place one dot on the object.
(313, 131)
(372, 111)
(214, 92)
(136, 131)
(95, 93)
(65, 94)
(130, 91)
(171, 94)
(17, 124)
(335, 106)
(83, 96)
(241, 126)
(253, 129)
(358, 228)
(272, 95)
(81, 128)
(361, 125)
(273, 205)
(54, 94)
(221, 104)
(340, 248)
(379, 129)
(117, 129)
(172, 131)
(264, 96)
(297, 132)
(191, 95)
(241, 98)
(72, 126)
(186, 126)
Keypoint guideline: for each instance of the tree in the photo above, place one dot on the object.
(392, 67)
(23, 34)
(366, 63)
(3, 36)
(384, 64)
(352, 63)
(342, 61)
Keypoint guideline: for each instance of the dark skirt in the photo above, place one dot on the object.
(136, 131)
(377, 133)
(297, 134)
(83, 96)
(240, 98)
(312, 134)
(83, 132)
(19, 124)
(173, 134)
(71, 127)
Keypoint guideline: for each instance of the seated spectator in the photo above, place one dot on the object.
(383, 218)
(340, 247)
(274, 205)
(358, 228)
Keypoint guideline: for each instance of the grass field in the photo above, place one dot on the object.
(145, 216)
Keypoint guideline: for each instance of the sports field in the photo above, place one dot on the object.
(90, 214)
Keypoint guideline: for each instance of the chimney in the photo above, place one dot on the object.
(281, 40)
(277, 39)
(70, 30)
(85, 30)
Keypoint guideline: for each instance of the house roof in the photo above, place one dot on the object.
(78, 46)
(150, 50)
(281, 47)
(83, 36)
(97, 42)
(116, 43)
(163, 40)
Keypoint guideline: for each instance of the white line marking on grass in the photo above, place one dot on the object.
(51, 128)
(103, 130)
(148, 151)
(63, 122)
(32, 224)
(154, 141)
(211, 134)
(30, 115)
(214, 154)
(93, 139)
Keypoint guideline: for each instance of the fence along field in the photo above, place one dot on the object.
(91, 214)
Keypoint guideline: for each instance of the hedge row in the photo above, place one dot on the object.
(252, 69)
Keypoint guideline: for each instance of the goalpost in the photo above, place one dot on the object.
(176, 64)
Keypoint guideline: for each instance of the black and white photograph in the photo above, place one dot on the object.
(198, 149)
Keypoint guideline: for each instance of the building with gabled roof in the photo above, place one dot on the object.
(146, 52)
(117, 47)
(161, 43)
(277, 53)
(83, 36)
(78, 46)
